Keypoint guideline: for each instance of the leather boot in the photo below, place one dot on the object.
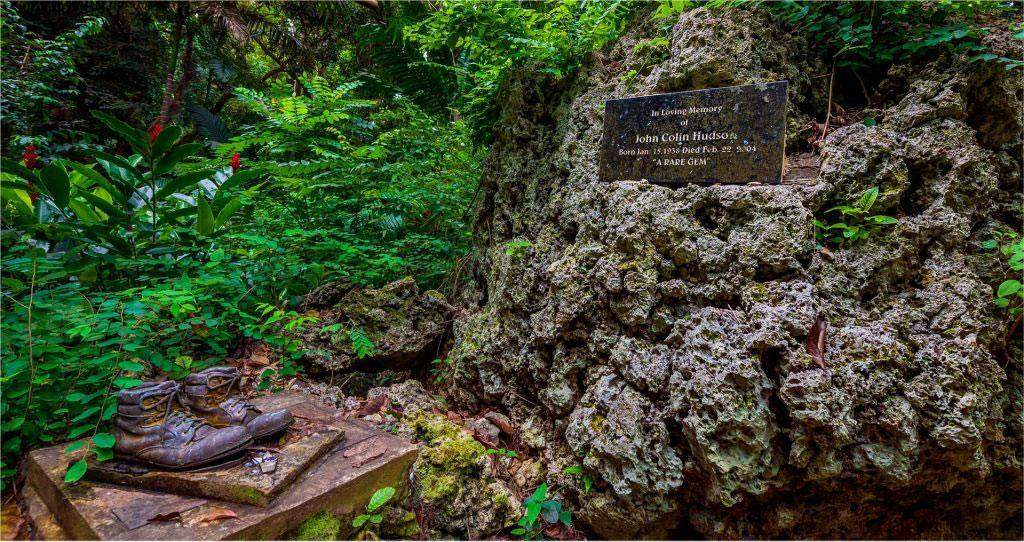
(153, 427)
(214, 395)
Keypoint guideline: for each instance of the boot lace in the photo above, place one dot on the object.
(178, 419)
(235, 403)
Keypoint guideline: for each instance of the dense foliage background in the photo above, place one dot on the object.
(179, 175)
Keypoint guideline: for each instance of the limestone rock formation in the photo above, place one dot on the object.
(656, 335)
(404, 325)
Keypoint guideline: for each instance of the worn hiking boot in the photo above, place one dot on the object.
(153, 427)
(214, 395)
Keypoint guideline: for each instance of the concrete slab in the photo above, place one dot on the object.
(306, 441)
(339, 482)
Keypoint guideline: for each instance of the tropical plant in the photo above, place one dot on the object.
(857, 224)
(109, 273)
(374, 514)
(1009, 292)
(481, 44)
(871, 34)
(540, 511)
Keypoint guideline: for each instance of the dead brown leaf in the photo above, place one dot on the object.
(372, 406)
(217, 513)
(373, 454)
(482, 439)
(11, 521)
(815, 343)
(501, 423)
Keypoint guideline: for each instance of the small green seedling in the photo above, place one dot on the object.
(517, 248)
(857, 224)
(374, 516)
(502, 452)
(577, 472)
(1010, 292)
(540, 511)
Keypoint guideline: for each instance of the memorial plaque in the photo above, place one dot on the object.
(719, 135)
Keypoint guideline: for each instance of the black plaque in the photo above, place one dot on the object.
(719, 135)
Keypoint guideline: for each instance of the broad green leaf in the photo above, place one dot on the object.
(376, 519)
(83, 415)
(89, 274)
(239, 178)
(76, 471)
(84, 212)
(379, 498)
(138, 139)
(229, 209)
(181, 182)
(26, 215)
(103, 440)
(14, 184)
(175, 155)
(103, 205)
(167, 138)
(104, 454)
(868, 198)
(131, 366)
(360, 520)
(100, 180)
(108, 160)
(1008, 288)
(532, 511)
(55, 179)
(75, 446)
(883, 219)
(10, 166)
(204, 217)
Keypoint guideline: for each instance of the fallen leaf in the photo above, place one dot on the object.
(372, 406)
(815, 343)
(374, 454)
(11, 521)
(501, 423)
(482, 439)
(217, 513)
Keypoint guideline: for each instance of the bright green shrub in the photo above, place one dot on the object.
(369, 190)
(110, 273)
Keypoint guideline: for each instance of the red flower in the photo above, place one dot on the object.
(30, 156)
(236, 163)
(154, 132)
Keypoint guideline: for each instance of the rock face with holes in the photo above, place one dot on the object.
(655, 336)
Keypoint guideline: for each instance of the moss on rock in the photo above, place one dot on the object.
(322, 526)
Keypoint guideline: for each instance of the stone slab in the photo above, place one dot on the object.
(43, 524)
(306, 441)
(719, 135)
(340, 482)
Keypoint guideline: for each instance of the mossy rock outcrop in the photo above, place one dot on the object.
(656, 335)
(403, 324)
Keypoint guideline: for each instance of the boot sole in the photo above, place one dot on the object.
(273, 432)
(191, 466)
